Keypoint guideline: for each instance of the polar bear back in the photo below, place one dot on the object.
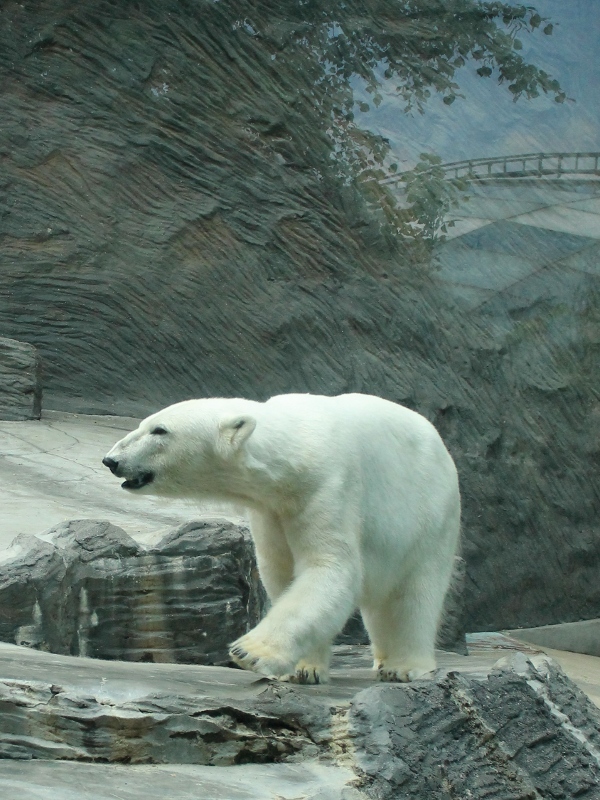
(363, 430)
(394, 454)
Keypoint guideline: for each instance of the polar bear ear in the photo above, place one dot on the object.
(233, 432)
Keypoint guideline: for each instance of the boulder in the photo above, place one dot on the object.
(20, 381)
(89, 589)
(524, 732)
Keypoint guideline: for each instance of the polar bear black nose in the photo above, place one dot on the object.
(111, 464)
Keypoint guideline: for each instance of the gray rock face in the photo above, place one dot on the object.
(525, 732)
(516, 730)
(20, 381)
(92, 591)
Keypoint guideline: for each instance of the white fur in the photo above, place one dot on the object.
(353, 501)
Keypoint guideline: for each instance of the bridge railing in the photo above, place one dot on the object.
(527, 165)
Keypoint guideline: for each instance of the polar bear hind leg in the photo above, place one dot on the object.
(403, 626)
(402, 630)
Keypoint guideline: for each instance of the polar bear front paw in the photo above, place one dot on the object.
(308, 674)
(249, 653)
(402, 673)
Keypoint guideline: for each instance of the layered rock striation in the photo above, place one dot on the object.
(91, 590)
(514, 730)
(20, 381)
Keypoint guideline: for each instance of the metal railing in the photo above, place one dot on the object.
(528, 165)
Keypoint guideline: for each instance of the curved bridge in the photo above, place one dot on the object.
(527, 165)
(515, 243)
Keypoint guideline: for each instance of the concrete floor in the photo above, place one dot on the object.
(583, 670)
(51, 471)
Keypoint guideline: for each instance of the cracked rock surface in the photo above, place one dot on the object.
(525, 732)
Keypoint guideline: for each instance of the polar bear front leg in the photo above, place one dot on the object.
(299, 628)
(273, 555)
(294, 638)
(313, 668)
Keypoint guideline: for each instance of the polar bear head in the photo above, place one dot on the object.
(184, 450)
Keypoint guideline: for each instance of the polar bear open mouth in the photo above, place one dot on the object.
(143, 479)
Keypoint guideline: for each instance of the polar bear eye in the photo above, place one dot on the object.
(159, 431)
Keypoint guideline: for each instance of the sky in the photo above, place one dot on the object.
(487, 122)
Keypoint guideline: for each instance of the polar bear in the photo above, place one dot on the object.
(353, 502)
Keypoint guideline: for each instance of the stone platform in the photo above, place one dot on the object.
(512, 728)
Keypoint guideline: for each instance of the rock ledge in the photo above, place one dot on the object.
(513, 729)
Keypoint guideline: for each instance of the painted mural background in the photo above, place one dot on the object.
(400, 198)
